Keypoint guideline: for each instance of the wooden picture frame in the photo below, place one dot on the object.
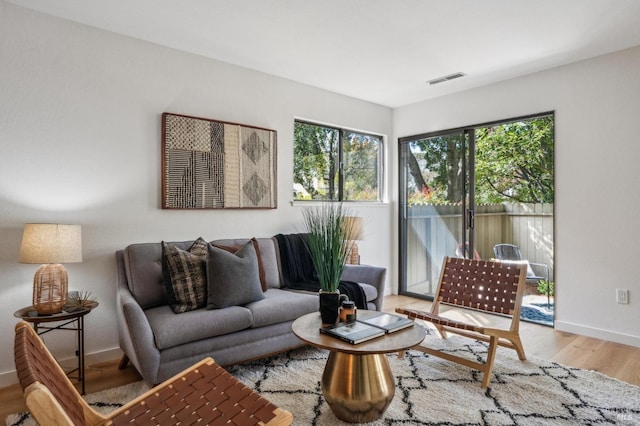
(212, 164)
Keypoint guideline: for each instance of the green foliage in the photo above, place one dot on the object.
(360, 159)
(315, 160)
(316, 156)
(329, 233)
(436, 169)
(514, 162)
(544, 286)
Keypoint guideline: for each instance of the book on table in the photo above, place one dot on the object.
(388, 322)
(353, 332)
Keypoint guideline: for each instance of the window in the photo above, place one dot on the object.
(334, 164)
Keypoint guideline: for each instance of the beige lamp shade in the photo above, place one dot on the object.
(354, 225)
(355, 228)
(50, 244)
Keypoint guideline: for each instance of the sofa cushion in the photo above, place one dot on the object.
(282, 305)
(232, 278)
(143, 267)
(186, 282)
(171, 330)
(256, 245)
(370, 292)
(268, 254)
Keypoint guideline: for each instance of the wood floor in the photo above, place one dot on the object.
(612, 359)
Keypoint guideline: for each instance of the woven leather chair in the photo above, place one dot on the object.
(204, 392)
(480, 285)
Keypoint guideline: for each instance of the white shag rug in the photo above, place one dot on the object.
(432, 391)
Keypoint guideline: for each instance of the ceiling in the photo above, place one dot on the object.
(382, 51)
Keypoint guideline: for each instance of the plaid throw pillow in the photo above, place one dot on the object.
(187, 275)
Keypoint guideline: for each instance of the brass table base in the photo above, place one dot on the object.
(358, 388)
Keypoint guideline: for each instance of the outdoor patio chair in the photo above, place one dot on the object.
(536, 272)
(203, 392)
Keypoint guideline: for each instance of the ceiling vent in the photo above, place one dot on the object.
(446, 78)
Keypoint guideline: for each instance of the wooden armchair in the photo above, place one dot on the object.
(485, 286)
(204, 392)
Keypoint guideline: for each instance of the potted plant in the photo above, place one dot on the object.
(330, 235)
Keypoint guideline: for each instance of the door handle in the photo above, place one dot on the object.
(471, 217)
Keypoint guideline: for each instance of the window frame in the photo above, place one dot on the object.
(380, 174)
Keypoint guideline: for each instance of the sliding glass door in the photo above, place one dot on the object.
(433, 203)
(465, 191)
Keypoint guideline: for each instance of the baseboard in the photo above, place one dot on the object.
(9, 378)
(625, 339)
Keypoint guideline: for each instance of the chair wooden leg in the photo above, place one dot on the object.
(488, 367)
(441, 331)
(517, 345)
(123, 362)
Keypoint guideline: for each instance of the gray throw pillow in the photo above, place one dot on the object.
(256, 245)
(232, 278)
(186, 272)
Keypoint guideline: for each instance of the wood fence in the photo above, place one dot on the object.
(435, 231)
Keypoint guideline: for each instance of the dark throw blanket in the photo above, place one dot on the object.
(299, 273)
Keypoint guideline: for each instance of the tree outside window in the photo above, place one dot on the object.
(513, 163)
(334, 164)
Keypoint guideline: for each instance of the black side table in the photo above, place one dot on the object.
(71, 318)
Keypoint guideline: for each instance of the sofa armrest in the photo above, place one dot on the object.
(367, 274)
(133, 326)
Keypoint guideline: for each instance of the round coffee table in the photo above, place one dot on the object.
(357, 381)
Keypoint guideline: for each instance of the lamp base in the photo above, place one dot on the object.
(353, 256)
(50, 285)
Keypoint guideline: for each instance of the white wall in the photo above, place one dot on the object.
(80, 143)
(597, 152)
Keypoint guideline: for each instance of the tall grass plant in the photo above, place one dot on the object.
(330, 235)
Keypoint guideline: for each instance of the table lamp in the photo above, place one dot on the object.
(354, 224)
(50, 244)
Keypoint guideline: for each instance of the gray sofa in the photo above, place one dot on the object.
(161, 343)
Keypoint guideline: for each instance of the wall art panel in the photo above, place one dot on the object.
(211, 164)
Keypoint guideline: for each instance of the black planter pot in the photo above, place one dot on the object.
(329, 306)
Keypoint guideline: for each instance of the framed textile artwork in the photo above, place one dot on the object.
(210, 164)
